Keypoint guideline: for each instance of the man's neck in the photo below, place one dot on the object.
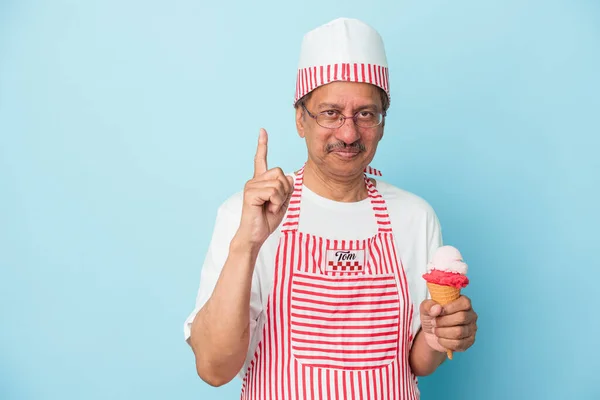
(343, 189)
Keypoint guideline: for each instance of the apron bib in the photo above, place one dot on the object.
(339, 317)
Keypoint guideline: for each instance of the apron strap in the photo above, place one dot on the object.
(384, 224)
(372, 171)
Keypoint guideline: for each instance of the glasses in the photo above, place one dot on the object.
(332, 119)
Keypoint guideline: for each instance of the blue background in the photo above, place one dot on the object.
(123, 126)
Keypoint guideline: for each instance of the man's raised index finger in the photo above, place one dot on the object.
(260, 159)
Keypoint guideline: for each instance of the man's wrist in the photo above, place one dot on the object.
(243, 248)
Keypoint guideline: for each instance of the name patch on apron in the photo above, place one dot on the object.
(345, 261)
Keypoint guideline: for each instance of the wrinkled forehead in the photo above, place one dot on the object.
(347, 95)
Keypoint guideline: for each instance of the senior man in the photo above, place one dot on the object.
(312, 286)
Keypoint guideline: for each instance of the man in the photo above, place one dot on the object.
(312, 286)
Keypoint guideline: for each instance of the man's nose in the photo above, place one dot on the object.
(348, 132)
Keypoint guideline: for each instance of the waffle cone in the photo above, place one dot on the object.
(443, 295)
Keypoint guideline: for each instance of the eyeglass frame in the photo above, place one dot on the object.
(343, 118)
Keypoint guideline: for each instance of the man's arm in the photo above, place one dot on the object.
(423, 359)
(220, 332)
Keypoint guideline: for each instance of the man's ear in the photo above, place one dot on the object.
(300, 121)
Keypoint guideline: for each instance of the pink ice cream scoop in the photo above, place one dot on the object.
(447, 268)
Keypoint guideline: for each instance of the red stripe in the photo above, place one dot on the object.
(394, 379)
(310, 254)
(344, 387)
(349, 319)
(308, 82)
(328, 73)
(315, 358)
(320, 380)
(385, 81)
(256, 386)
(328, 384)
(378, 258)
(337, 386)
(341, 335)
(325, 278)
(354, 343)
(320, 252)
(347, 327)
(335, 68)
(321, 71)
(355, 72)
(298, 307)
(312, 382)
(370, 75)
(263, 365)
(279, 357)
(370, 385)
(297, 85)
(300, 253)
(361, 296)
(332, 287)
(276, 360)
(345, 351)
(362, 68)
(306, 251)
(360, 389)
(345, 303)
(352, 385)
(289, 302)
(381, 384)
(311, 84)
(296, 379)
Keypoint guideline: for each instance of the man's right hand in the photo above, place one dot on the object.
(266, 198)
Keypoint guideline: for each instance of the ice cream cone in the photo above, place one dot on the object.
(443, 295)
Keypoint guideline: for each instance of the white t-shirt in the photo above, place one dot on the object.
(415, 226)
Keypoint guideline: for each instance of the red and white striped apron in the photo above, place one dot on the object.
(338, 320)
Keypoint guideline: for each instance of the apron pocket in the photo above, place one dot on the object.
(344, 322)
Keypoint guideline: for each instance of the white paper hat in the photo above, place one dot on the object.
(341, 50)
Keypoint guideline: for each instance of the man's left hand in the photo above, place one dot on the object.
(451, 327)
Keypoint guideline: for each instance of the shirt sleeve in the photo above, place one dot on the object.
(226, 225)
(434, 240)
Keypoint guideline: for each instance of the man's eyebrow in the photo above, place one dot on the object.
(335, 106)
(324, 106)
